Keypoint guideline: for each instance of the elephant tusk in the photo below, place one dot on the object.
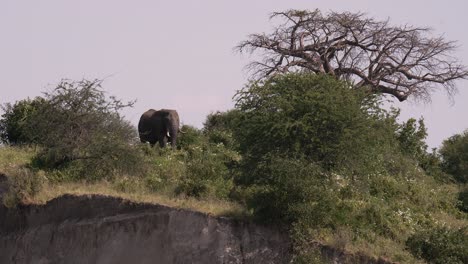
(144, 133)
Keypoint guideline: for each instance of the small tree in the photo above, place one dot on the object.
(411, 136)
(78, 125)
(400, 61)
(454, 153)
(15, 118)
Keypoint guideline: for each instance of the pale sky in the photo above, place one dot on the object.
(179, 54)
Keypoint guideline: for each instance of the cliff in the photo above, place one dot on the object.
(100, 229)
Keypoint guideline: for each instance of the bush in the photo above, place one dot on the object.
(167, 167)
(317, 117)
(219, 126)
(190, 136)
(199, 168)
(207, 171)
(292, 190)
(78, 127)
(411, 137)
(440, 245)
(454, 153)
(15, 119)
(463, 200)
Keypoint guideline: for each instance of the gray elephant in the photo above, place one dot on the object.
(159, 126)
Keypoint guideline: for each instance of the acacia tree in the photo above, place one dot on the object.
(400, 61)
(80, 126)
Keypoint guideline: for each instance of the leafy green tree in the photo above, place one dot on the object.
(79, 127)
(15, 120)
(454, 153)
(411, 136)
(313, 116)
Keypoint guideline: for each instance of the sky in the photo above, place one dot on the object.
(179, 54)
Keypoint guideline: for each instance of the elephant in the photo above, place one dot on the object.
(159, 126)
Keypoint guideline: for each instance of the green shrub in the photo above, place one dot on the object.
(316, 116)
(218, 128)
(454, 153)
(463, 200)
(77, 126)
(440, 245)
(166, 168)
(190, 136)
(207, 171)
(411, 137)
(291, 190)
(14, 128)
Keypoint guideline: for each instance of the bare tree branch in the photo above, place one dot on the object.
(400, 61)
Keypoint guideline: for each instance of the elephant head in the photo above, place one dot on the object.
(159, 126)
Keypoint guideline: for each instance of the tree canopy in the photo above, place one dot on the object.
(401, 61)
(314, 116)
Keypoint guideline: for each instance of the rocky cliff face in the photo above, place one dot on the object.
(98, 229)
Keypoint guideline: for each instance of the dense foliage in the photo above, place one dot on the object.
(218, 128)
(411, 138)
(315, 117)
(440, 245)
(14, 122)
(318, 155)
(454, 152)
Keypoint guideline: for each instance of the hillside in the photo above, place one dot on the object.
(328, 165)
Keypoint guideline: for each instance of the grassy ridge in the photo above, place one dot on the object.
(15, 162)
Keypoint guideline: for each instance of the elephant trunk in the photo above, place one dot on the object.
(173, 130)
